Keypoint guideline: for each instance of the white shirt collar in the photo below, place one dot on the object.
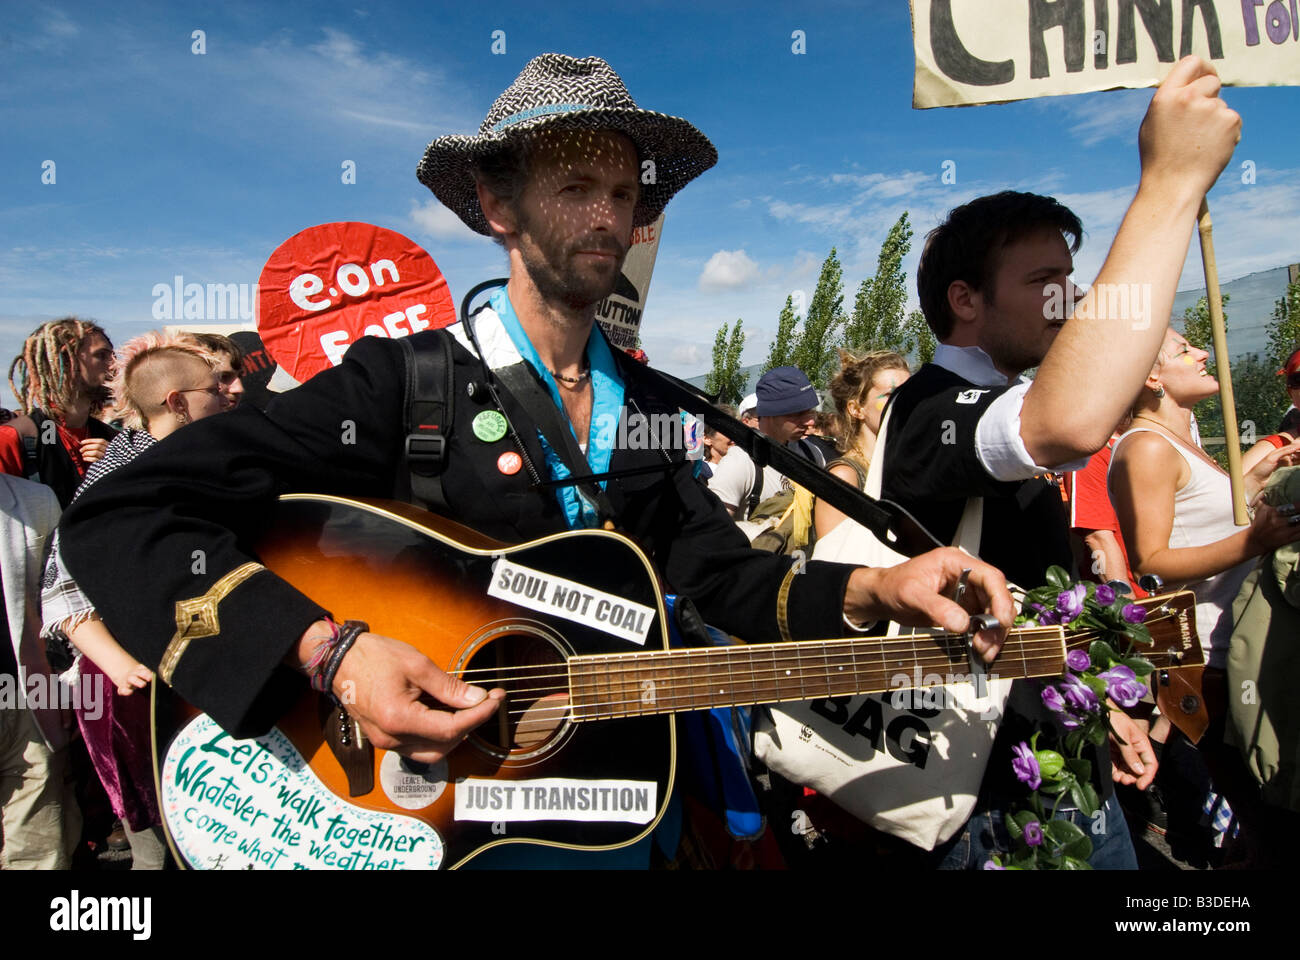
(970, 363)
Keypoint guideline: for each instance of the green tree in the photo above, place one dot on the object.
(919, 341)
(1284, 326)
(1197, 328)
(877, 321)
(725, 380)
(1260, 402)
(814, 353)
(783, 345)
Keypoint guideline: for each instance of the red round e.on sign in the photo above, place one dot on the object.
(334, 283)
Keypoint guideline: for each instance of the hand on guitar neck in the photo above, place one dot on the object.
(384, 683)
(916, 593)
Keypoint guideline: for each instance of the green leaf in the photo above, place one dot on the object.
(1079, 793)
(1052, 787)
(1074, 740)
(1063, 831)
(1074, 863)
(1097, 734)
(1080, 849)
(1094, 802)
(1081, 768)
(1095, 684)
(1140, 666)
(1138, 633)
(1058, 578)
(1020, 818)
(1102, 655)
(1050, 763)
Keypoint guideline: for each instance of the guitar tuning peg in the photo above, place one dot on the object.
(1151, 583)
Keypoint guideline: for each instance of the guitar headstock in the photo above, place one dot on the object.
(1171, 621)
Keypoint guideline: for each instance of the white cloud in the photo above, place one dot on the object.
(432, 219)
(728, 270)
(688, 355)
(1111, 114)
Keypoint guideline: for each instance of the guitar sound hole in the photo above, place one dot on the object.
(532, 672)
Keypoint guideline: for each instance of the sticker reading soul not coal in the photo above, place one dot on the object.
(547, 593)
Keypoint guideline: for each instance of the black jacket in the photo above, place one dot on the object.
(130, 542)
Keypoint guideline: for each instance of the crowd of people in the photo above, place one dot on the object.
(97, 412)
(968, 445)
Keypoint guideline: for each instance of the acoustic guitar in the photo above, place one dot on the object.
(582, 752)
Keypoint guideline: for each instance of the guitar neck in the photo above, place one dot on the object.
(672, 681)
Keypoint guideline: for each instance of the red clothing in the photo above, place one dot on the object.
(1090, 507)
(12, 459)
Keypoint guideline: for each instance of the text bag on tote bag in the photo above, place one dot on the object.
(908, 762)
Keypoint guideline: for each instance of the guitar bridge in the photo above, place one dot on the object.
(354, 753)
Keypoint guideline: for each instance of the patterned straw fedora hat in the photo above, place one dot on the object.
(555, 90)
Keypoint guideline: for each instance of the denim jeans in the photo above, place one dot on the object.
(985, 835)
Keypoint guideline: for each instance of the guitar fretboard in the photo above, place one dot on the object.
(653, 682)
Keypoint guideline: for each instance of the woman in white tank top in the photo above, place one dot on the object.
(1174, 502)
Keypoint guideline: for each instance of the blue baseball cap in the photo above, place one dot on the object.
(784, 390)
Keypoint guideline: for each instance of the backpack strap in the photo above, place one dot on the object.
(428, 415)
(521, 382)
(857, 468)
(756, 494)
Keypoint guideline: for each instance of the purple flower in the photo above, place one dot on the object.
(1052, 699)
(1033, 833)
(1132, 613)
(1078, 661)
(1070, 723)
(1079, 695)
(1070, 603)
(1046, 619)
(1122, 685)
(1105, 595)
(992, 865)
(1025, 766)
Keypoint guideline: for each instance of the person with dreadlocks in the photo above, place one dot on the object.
(163, 382)
(59, 380)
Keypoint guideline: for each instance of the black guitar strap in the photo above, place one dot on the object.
(522, 383)
(891, 524)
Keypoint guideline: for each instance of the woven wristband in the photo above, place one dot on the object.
(315, 665)
(348, 634)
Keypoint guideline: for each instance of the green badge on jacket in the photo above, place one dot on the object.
(490, 426)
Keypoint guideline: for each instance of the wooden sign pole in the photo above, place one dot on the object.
(1223, 369)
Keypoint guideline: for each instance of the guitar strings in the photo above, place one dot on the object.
(668, 703)
(685, 691)
(886, 645)
(622, 669)
(750, 657)
(677, 659)
(679, 673)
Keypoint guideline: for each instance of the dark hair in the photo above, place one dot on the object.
(728, 409)
(220, 343)
(504, 170)
(963, 247)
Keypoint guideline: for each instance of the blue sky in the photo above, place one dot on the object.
(172, 163)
